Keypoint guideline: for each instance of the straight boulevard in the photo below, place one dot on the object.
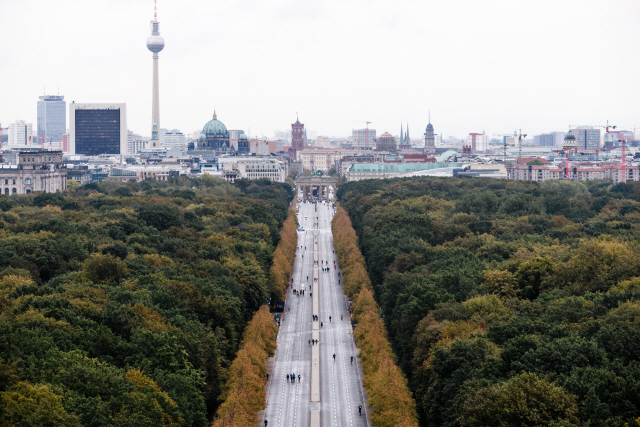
(289, 403)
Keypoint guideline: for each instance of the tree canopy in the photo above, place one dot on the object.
(125, 304)
(501, 294)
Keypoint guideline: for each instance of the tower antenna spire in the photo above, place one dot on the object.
(155, 11)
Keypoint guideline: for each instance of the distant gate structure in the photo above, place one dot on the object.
(320, 183)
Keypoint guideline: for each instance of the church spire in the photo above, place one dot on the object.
(401, 133)
(406, 135)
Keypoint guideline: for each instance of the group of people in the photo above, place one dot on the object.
(293, 377)
(314, 342)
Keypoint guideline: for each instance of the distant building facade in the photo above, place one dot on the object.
(52, 117)
(321, 159)
(477, 141)
(237, 167)
(171, 138)
(362, 140)
(20, 132)
(96, 129)
(576, 172)
(35, 171)
(386, 142)
(322, 142)
(587, 137)
(553, 139)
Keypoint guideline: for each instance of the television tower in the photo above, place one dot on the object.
(155, 44)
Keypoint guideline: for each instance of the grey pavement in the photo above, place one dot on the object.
(341, 391)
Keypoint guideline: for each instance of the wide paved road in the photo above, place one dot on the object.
(289, 404)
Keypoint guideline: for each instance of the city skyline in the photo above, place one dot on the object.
(476, 65)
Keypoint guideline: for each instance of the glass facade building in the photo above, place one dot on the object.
(97, 131)
(52, 117)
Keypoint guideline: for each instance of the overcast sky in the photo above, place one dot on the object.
(477, 65)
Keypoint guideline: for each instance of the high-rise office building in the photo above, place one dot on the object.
(96, 129)
(587, 137)
(52, 117)
(19, 132)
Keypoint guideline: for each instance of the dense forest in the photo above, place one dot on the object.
(125, 304)
(507, 303)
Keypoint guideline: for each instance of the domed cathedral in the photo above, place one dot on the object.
(214, 136)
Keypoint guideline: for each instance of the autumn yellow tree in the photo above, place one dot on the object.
(244, 392)
(284, 255)
(390, 400)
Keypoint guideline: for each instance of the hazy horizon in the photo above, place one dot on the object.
(483, 65)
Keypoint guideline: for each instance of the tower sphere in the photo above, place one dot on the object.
(155, 43)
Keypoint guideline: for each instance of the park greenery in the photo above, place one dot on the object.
(507, 303)
(389, 396)
(126, 304)
(246, 395)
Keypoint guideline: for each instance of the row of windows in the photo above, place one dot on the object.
(32, 159)
(27, 181)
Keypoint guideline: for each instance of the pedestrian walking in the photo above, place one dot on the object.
(287, 377)
(309, 343)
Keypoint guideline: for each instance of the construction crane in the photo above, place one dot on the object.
(503, 135)
(367, 134)
(520, 143)
(1, 135)
(41, 138)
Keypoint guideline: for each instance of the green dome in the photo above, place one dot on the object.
(243, 137)
(215, 127)
(202, 136)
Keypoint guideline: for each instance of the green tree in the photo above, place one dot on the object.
(524, 401)
(105, 269)
(31, 406)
